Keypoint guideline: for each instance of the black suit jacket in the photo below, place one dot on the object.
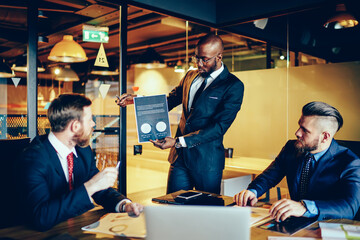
(334, 184)
(44, 191)
(203, 128)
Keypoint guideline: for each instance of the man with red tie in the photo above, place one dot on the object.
(58, 178)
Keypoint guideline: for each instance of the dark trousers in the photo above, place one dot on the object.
(182, 178)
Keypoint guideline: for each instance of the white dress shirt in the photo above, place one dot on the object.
(62, 152)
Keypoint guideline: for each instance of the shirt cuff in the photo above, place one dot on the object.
(311, 209)
(254, 191)
(182, 142)
(119, 206)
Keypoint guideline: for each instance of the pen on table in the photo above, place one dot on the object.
(231, 204)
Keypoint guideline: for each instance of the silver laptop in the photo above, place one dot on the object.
(179, 222)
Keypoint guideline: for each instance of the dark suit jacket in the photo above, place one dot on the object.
(204, 127)
(44, 191)
(334, 184)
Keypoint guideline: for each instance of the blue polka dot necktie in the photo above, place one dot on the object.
(305, 175)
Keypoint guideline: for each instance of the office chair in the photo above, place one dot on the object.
(10, 149)
(354, 146)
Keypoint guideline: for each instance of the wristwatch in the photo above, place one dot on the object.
(177, 143)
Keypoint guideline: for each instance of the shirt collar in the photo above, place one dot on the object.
(216, 73)
(318, 155)
(60, 148)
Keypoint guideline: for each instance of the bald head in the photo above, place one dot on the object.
(208, 54)
(212, 41)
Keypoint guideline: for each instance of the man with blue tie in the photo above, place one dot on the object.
(323, 177)
(211, 98)
(57, 175)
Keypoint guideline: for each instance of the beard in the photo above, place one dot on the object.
(208, 72)
(82, 139)
(304, 148)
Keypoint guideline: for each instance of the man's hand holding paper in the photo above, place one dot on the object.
(165, 143)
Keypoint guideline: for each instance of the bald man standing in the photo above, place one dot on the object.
(323, 177)
(211, 98)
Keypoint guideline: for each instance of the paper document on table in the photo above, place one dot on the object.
(258, 214)
(119, 224)
(339, 231)
(292, 238)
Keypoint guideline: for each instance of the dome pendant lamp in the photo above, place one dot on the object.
(67, 51)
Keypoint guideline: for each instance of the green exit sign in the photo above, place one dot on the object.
(95, 34)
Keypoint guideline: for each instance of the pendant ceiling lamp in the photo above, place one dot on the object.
(342, 19)
(20, 65)
(112, 70)
(68, 51)
(66, 74)
(5, 70)
(150, 60)
(179, 67)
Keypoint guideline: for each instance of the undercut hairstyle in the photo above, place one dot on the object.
(324, 110)
(66, 108)
(211, 38)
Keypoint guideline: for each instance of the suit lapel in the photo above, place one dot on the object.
(54, 159)
(222, 77)
(186, 91)
(321, 164)
(79, 167)
(296, 170)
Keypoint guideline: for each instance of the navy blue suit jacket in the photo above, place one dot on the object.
(203, 128)
(44, 191)
(334, 184)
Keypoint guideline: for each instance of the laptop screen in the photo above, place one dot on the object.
(196, 222)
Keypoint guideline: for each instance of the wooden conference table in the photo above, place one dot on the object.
(71, 229)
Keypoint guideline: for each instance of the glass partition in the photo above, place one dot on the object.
(283, 66)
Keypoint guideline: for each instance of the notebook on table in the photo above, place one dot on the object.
(191, 197)
(178, 222)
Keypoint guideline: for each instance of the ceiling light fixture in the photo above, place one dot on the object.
(112, 70)
(5, 70)
(104, 71)
(179, 67)
(342, 19)
(66, 74)
(68, 51)
(20, 65)
(150, 60)
(193, 66)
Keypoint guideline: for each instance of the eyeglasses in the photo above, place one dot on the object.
(201, 60)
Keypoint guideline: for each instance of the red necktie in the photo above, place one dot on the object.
(70, 161)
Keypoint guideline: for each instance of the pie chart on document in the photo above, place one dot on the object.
(145, 128)
(161, 126)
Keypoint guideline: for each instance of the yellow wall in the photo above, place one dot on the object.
(273, 100)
